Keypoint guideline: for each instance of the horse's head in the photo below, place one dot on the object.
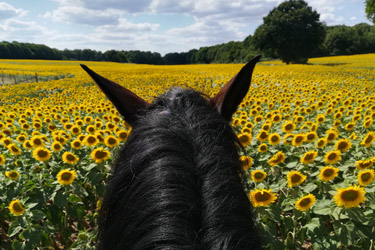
(225, 101)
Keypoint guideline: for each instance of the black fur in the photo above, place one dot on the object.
(176, 183)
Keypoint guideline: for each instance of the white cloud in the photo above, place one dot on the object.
(74, 14)
(16, 30)
(8, 11)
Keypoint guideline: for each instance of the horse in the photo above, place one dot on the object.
(177, 182)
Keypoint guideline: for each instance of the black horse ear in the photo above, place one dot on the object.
(126, 102)
(231, 94)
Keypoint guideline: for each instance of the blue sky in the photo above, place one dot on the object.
(150, 25)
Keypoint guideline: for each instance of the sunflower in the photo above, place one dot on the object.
(245, 139)
(111, 141)
(76, 144)
(246, 162)
(331, 135)
(328, 173)
(350, 197)
(365, 177)
(305, 202)
(2, 160)
(288, 127)
(262, 198)
(13, 174)
(321, 143)
(278, 158)
(69, 158)
(56, 146)
(90, 129)
(90, 140)
(14, 150)
(311, 136)
(41, 154)
(308, 157)
(27, 144)
(262, 136)
(349, 126)
(298, 139)
(37, 141)
(368, 139)
(320, 118)
(295, 178)
(100, 154)
(274, 138)
(267, 126)
(21, 138)
(258, 175)
(367, 123)
(262, 148)
(66, 176)
(363, 164)
(276, 118)
(122, 135)
(16, 208)
(332, 157)
(343, 145)
(75, 130)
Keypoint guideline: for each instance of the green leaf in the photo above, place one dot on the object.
(73, 198)
(274, 213)
(313, 224)
(322, 207)
(288, 223)
(16, 245)
(60, 199)
(309, 187)
(37, 215)
(14, 229)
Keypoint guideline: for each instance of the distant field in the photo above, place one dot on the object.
(307, 130)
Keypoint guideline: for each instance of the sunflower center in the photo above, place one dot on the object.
(342, 145)
(305, 202)
(328, 172)
(368, 139)
(274, 138)
(296, 178)
(17, 207)
(91, 139)
(70, 157)
(331, 136)
(332, 156)
(262, 196)
(112, 141)
(299, 139)
(258, 175)
(365, 177)
(13, 174)
(66, 176)
(289, 127)
(309, 157)
(42, 153)
(37, 142)
(100, 154)
(349, 195)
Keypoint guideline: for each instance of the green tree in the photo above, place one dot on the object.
(292, 31)
(370, 10)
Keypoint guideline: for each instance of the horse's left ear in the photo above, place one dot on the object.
(231, 94)
(126, 102)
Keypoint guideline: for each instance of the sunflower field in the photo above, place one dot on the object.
(307, 131)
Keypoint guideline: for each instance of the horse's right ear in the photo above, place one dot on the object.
(126, 102)
(231, 94)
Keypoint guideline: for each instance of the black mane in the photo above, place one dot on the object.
(176, 182)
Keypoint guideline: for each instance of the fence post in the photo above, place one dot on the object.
(15, 79)
(36, 77)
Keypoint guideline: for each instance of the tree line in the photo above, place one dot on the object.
(338, 40)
